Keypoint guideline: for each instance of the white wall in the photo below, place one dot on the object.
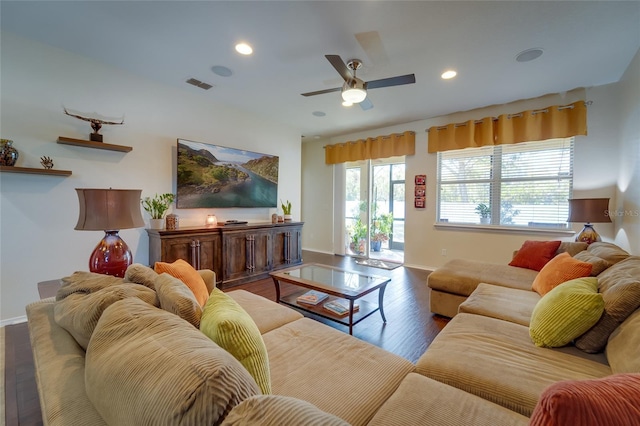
(628, 185)
(596, 173)
(38, 213)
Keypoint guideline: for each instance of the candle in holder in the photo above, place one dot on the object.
(212, 221)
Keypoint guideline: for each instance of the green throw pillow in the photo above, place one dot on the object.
(566, 312)
(231, 327)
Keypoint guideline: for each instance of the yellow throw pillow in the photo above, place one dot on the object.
(182, 270)
(566, 312)
(560, 269)
(227, 324)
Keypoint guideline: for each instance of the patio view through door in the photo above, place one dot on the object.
(374, 209)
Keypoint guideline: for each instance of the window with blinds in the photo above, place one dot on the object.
(520, 185)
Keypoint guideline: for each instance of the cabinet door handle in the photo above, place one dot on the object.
(198, 245)
(194, 258)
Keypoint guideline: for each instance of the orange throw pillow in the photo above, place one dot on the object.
(186, 273)
(612, 400)
(535, 254)
(560, 269)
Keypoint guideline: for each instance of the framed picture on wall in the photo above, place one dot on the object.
(421, 179)
(421, 190)
(420, 202)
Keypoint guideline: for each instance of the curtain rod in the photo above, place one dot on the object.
(519, 114)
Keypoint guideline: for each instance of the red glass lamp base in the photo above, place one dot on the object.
(588, 235)
(111, 256)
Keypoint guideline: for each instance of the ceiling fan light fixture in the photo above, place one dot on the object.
(353, 91)
(347, 103)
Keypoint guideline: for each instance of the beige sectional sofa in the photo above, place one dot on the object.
(141, 363)
(486, 349)
(145, 365)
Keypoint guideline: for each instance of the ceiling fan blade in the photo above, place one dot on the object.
(321, 92)
(392, 81)
(340, 66)
(366, 104)
(371, 43)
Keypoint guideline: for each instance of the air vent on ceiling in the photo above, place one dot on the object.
(200, 84)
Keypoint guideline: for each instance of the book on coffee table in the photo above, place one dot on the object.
(339, 307)
(312, 297)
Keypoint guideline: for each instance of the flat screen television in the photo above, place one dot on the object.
(218, 176)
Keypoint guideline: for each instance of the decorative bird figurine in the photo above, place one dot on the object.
(46, 162)
(96, 124)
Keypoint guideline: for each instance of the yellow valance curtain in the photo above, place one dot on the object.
(535, 125)
(371, 148)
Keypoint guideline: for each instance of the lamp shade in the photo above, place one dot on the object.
(589, 210)
(109, 209)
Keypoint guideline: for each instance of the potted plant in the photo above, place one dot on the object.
(358, 234)
(286, 210)
(381, 230)
(484, 211)
(157, 207)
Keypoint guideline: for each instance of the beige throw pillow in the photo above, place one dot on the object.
(177, 298)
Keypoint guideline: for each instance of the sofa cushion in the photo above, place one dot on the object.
(175, 297)
(620, 288)
(85, 282)
(598, 265)
(226, 323)
(183, 271)
(607, 251)
(572, 247)
(535, 254)
(78, 313)
(461, 276)
(267, 314)
(561, 268)
(145, 365)
(508, 304)
(622, 348)
(422, 401)
(275, 410)
(140, 274)
(613, 400)
(337, 373)
(566, 312)
(496, 360)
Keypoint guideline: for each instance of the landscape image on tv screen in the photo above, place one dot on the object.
(217, 176)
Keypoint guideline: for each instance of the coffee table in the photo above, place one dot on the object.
(339, 284)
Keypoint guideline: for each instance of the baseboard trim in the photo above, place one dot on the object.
(319, 251)
(11, 321)
(421, 267)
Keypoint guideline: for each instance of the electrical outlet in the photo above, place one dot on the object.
(443, 252)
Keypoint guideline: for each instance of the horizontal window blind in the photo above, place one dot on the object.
(526, 184)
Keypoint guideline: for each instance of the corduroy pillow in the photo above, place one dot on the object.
(140, 274)
(276, 410)
(182, 270)
(612, 400)
(177, 298)
(146, 366)
(535, 254)
(226, 323)
(566, 312)
(558, 270)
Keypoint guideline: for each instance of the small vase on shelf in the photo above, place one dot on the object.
(156, 223)
(8, 154)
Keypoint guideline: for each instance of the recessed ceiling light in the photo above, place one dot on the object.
(221, 71)
(319, 113)
(529, 54)
(448, 74)
(244, 49)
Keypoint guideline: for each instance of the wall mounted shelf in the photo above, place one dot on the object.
(90, 144)
(32, 171)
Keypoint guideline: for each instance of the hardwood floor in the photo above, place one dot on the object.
(409, 330)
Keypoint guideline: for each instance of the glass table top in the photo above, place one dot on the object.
(346, 281)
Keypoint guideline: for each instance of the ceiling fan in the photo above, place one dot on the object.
(354, 89)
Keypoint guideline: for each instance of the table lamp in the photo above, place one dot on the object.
(589, 210)
(109, 210)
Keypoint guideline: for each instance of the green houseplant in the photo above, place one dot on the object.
(381, 230)
(484, 211)
(286, 209)
(157, 206)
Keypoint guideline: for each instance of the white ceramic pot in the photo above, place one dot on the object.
(287, 218)
(156, 223)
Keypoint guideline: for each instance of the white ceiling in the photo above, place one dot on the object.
(585, 43)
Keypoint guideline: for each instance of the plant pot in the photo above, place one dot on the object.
(156, 223)
(485, 220)
(376, 245)
(287, 218)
